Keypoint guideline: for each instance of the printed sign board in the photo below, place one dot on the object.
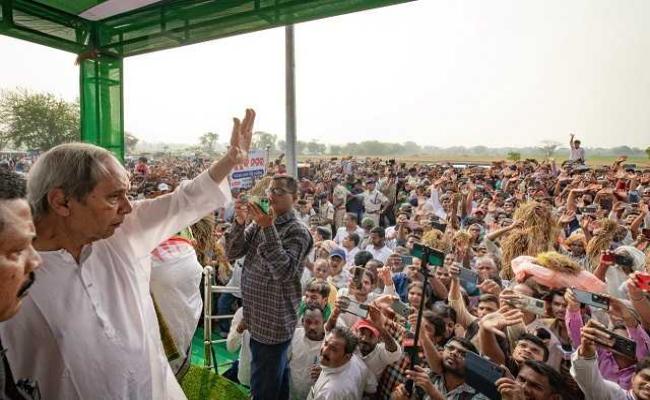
(243, 176)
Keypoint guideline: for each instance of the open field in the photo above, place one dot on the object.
(595, 161)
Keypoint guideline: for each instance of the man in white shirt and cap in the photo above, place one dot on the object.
(89, 325)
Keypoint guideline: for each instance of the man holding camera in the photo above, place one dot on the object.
(275, 246)
(584, 369)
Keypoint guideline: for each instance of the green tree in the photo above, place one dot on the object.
(514, 156)
(647, 151)
(262, 140)
(548, 148)
(316, 148)
(37, 120)
(336, 150)
(131, 141)
(208, 142)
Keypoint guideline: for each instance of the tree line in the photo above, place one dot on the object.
(39, 121)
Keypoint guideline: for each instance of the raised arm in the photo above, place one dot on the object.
(153, 221)
(455, 298)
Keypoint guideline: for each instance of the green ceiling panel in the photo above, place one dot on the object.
(163, 25)
(75, 7)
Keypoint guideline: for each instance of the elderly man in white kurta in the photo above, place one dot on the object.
(88, 329)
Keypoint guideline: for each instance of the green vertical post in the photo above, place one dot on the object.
(102, 110)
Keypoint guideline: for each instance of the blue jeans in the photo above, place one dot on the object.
(224, 307)
(269, 371)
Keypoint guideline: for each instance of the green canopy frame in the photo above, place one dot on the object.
(102, 45)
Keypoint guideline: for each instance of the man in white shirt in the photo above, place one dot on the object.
(377, 246)
(585, 370)
(339, 197)
(18, 261)
(175, 287)
(351, 226)
(339, 276)
(239, 340)
(344, 376)
(377, 348)
(351, 248)
(577, 153)
(304, 353)
(373, 202)
(90, 313)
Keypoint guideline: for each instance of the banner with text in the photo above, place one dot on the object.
(243, 176)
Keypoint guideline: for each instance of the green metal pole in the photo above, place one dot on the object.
(101, 101)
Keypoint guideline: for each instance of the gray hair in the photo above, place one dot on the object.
(486, 259)
(75, 168)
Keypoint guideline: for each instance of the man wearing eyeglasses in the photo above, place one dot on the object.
(447, 377)
(275, 246)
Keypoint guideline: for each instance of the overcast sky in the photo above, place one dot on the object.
(443, 72)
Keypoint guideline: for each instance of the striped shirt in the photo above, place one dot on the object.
(270, 282)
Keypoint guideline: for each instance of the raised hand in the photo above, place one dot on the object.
(510, 389)
(496, 322)
(377, 318)
(261, 218)
(571, 300)
(590, 335)
(385, 275)
(421, 378)
(241, 137)
(489, 286)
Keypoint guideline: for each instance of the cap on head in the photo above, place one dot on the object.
(340, 253)
(365, 324)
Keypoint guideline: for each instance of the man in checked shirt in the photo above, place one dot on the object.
(275, 246)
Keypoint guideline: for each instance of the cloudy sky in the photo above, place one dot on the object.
(443, 72)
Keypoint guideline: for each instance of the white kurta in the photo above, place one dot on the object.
(175, 285)
(303, 355)
(347, 382)
(89, 330)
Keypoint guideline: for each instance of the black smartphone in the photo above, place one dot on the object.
(622, 345)
(591, 299)
(588, 210)
(400, 308)
(407, 260)
(352, 307)
(606, 204)
(435, 257)
(623, 261)
(442, 227)
(468, 276)
(481, 374)
(529, 304)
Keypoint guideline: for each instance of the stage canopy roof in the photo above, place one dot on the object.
(129, 27)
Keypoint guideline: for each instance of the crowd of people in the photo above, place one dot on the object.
(528, 280)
